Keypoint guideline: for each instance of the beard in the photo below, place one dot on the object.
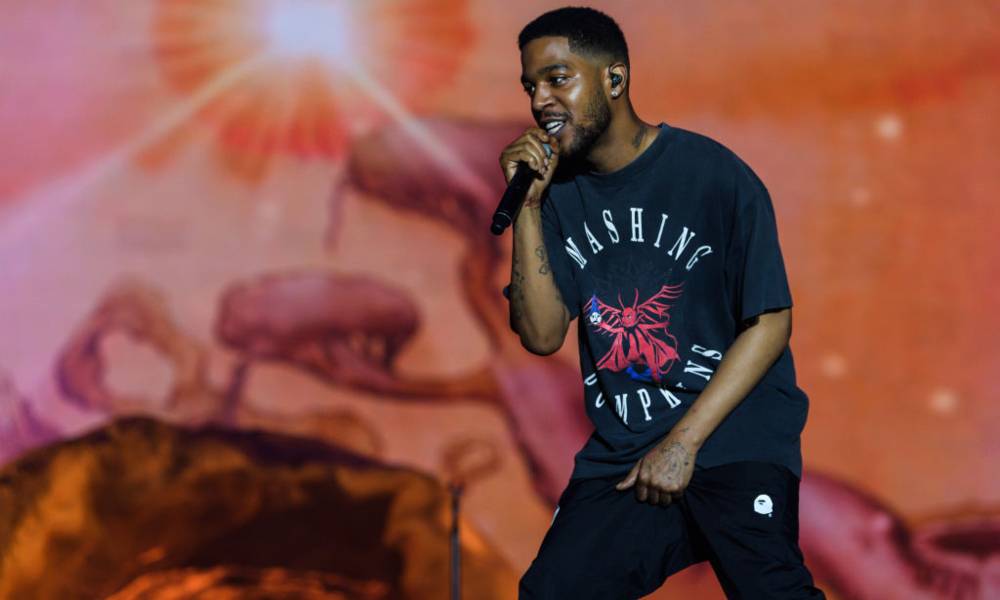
(597, 119)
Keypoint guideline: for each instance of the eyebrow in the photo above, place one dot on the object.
(544, 70)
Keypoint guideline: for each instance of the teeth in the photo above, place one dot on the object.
(554, 126)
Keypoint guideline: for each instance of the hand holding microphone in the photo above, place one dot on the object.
(528, 163)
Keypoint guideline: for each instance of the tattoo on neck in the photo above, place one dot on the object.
(639, 136)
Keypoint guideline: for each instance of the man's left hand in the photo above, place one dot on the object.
(661, 476)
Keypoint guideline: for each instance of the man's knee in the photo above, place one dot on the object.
(778, 581)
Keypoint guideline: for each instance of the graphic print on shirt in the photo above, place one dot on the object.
(638, 287)
(642, 344)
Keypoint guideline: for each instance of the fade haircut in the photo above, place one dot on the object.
(590, 32)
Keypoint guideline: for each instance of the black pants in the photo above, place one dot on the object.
(742, 517)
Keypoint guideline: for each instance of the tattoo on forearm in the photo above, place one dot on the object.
(517, 280)
(516, 289)
(540, 253)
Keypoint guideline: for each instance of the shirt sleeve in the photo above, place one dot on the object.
(755, 269)
(559, 260)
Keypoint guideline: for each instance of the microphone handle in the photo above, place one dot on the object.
(514, 195)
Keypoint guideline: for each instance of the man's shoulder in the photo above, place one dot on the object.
(717, 162)
(703, 148)
(688, 150)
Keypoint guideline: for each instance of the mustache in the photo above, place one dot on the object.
(541, 117)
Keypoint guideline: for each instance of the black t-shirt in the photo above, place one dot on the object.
(664, 261)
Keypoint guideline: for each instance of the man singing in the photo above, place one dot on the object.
(664, 244)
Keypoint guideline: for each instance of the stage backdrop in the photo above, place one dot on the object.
(252, 323)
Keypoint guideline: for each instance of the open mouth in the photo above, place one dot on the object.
(554, 127)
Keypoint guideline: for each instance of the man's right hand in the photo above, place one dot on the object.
(528, 149)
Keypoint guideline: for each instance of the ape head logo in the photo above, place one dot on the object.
(762, 505)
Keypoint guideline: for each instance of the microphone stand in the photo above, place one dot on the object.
(456, 488)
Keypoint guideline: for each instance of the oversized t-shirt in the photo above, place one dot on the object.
(665, 261)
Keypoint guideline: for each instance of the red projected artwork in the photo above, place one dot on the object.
(299, 77)
(229, 228)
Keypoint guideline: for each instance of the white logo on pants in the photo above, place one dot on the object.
(762, 505)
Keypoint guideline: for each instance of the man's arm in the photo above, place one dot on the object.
(666, 469)
(537, 311)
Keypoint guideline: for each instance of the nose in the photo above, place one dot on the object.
(541, 99)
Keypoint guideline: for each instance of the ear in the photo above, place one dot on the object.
(617, 80)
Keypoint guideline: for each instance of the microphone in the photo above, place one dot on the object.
(514, 195)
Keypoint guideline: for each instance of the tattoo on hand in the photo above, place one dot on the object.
(677, 459)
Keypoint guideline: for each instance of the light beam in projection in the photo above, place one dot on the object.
(450, 161)
(283, 36)
(302, 102)
(33, 208)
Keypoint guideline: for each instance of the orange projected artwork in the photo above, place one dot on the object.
(253, 329)
(301, 77)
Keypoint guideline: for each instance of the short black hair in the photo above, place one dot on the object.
(590, 32)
